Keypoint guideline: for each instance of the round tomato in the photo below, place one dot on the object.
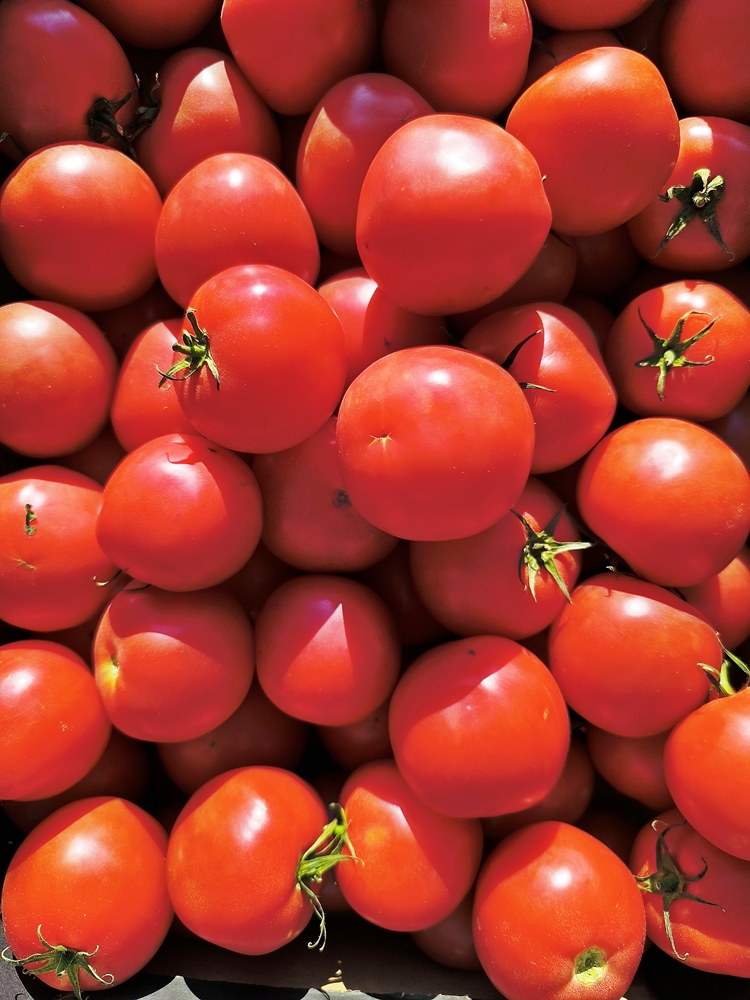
(632, 765)
(450, 941)
(584, 15)
(561, 46)
(360, 742)
(157, 24)
(724, 599)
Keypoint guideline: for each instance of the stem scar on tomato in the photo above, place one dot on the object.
(699, 199)
(541, 550)
(319, 858)
(62, 961)
(669, 352)
(196, 347)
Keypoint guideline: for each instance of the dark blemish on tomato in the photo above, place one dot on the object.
(341, 499)
(471, 652)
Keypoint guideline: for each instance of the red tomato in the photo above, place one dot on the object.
(605, 263)
(438, 856)
(56, 380)
(468, 57)
(734, 428)
(122, 325)
(603, 130)
(632, 765)
(254, 583)
(457, 735)
(420, 457)
(585, 15)
(669, 497)
(451, 214)
(450, 941)
(52, 567)
(53, 725)
(77, 225)
(360, 742)
(231, 209)
(157, 24)
(724, 599)
(90, 878)
(593, 945)
(180, 513)
(98, 459)
(627, 655)
(561, 46)
(326, 650)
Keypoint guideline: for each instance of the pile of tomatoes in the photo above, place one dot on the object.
(375, 430)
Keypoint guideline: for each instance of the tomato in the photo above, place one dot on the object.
(180, 513)
(122, 325)
(710, 184)
(450, 941)
(669, 497)
(98, 459)
(360, 742)
(91, 878)
(327, 650)
(77, 225)
(293, 51)
(53, 570)
(458, 737)
(228, 210)
(725, 599)
(603, 130)
(465, 57)
(56, 61)
(632, 765)
(627, 655)
(56, 380)
(557, 914)
(452, 212)
(696, 896)
(420, 457)
(254, 582)
(54, 728)
(203, 644)
(206, 107)
(561, 46)
(585, 15)
(605, 263)
(415, 865)
(595, 313)
(157, 24)
(734, 428)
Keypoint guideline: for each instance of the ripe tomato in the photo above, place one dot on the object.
(594, 942)
(632, 765)
(91, 878)
(561, 46)
(254, 582)
(360, 742)
(724, 599)
(605, 263)
(450, 941)
(584, 15)
(157, 24)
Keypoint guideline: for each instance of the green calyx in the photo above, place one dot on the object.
(506, 365)
(721, 679)
(103, 124)
(60, 960)
(29, 519)
(670, 882)
(196, 348)
(319, 858)
(669, 352)
(540, 551)
(699, 199)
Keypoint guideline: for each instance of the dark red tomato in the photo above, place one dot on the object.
(77, 225)
(615, 829)
(569, 391)
(627, 655)
(206, 107)
(341, 137)
(98, 459)
(457, 735)
(203, 644)
(467, 57)
(234, 858)
(605, 263)
(556, 48)
(695, 896)
(308, 518)
(734, 428)
(595, 313)
(122, 325)
(231, 209)
(566, 802)
(54, 728)
(643, 33)
(593, 945)
(585, 15)
(293, 51)
(278, 356)
(256, 734)
(435, 443)
(707, 768)
(681, 350)
(499, 581)
(735, 279)
(450, 941)
(56, 379)
(415, 865)
(360, 742)
(708, 79)
(604, 132)
(452, 212)
(180, 513)
(153, 24)
(326, 650)
(710, 188)
(724, 599)
(669, 497)
(91, 879)
(56, 60)
(257, 580)
(632, 765)
(51, 560)
(79, 638)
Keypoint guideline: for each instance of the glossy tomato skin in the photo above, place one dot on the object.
(646, 478)
(715, 938)
(724, 599)
(54, 727)
(416, 865)
(434, 443)
(585, 15)
(561, 46)
(546, 897)
(632, 765)
(458, 738)
(93, 875)
(243, 833)
(77, 225)
(707, 767)
(603, 130)
(180, 513)
(157, 24)
(438, 224)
